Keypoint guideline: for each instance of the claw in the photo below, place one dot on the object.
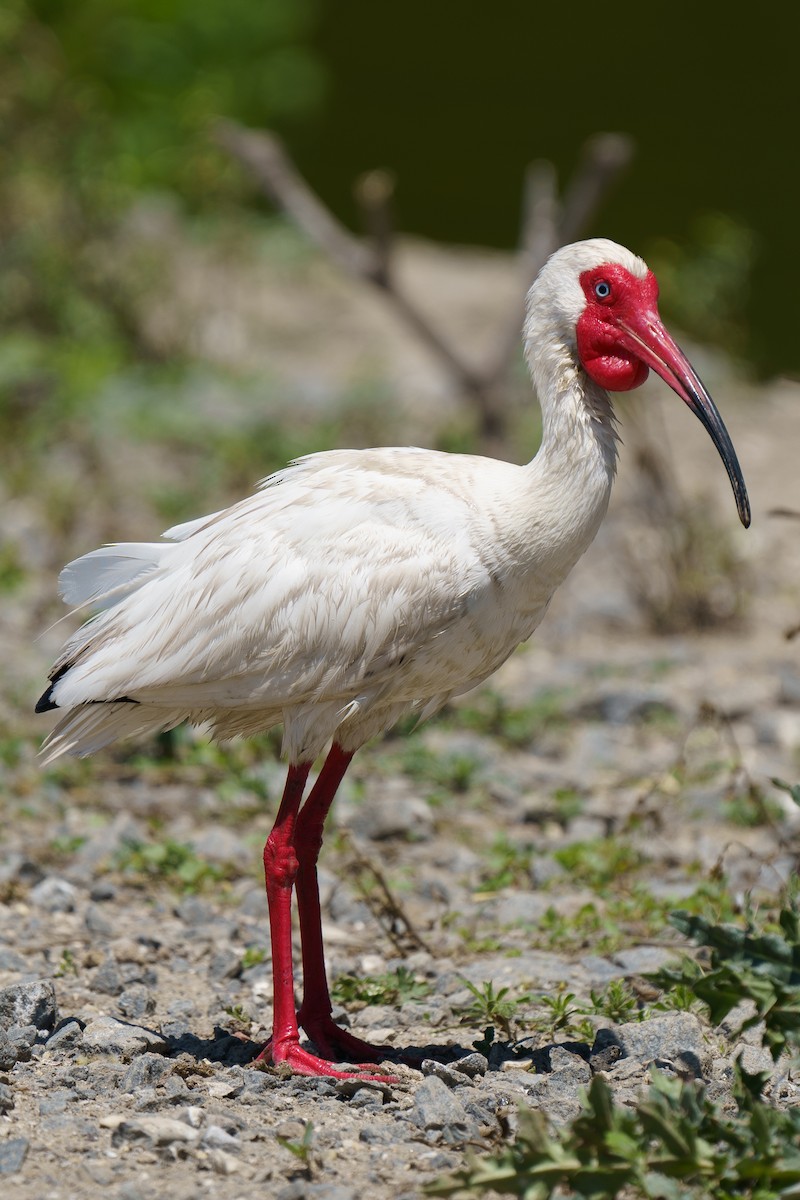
(303, 1062)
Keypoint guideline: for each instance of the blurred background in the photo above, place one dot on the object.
(168, 336)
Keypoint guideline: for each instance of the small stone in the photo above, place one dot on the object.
(6, 1098)
(54, 895)
(98, 922)
(154, 1131)
(12, 1050)
(108, 1036)
(136, 1001)
(108, 979)
(29, 1004)
(437, 1109)
(676, 1037)
(226, 964)
(472, 1065)
(12, 1155)
(57, 1101)
(67, 1036)
(102, 891)
(217, 1138)
(451, 1076)
(222, 1163)
(145, 1071)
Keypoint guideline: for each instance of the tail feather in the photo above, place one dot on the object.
(88, 727)
(104, 577)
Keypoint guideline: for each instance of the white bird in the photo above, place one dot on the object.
(356, 586)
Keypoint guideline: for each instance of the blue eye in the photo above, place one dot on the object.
(602, 290)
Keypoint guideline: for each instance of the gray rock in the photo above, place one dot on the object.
(98, 922)
(29, 1004)
(54, 895)
(641, 959)
(103, 890)
(108, 1036)
(11, 961)
(472, 1065)
(6, 1098)
(217, 1138)
(390, 816)
(136, 1001)
(154, 1131)
(299, 1189)
(68, 1036)
(225, 964)
(12, 1050)
(569, 1069)
(519, 908)
(437, 1110)
(56, 1101)
(108, 978)
(147, 1070)
(450, 1076)
(12, 1155)
(675, 1038)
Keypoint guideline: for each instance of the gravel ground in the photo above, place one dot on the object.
(133, 948)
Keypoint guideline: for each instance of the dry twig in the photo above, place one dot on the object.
(545, 226)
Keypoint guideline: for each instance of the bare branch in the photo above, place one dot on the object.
(374, 192)
(265, 158)
(269, 164)
(545, 226)
(605, 156)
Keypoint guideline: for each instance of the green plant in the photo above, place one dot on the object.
(394, 987)
(676, 1144)
(507, 863)
(599, 862)
(490, 1007)
(173, 862)
(616, 1002)
(302, 1149)
(760, 966)
(252, 956)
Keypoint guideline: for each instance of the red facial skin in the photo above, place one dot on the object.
(603, 354)
(620, 336)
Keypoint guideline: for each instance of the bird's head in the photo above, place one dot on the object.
(604, 301)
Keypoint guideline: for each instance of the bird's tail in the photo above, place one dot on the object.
(86, 728)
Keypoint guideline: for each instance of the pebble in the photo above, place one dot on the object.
(13, 1152)
(676, 1037)
(109, 1036)
(153, 1130)
(54, 895)
(437, 1109)
(29, 1004)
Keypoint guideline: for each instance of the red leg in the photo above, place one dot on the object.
(280, 869)
(315, 1011)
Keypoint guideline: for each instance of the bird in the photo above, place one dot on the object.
(355, 587)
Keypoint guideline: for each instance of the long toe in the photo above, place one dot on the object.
(303, 1062)
(336, 1043)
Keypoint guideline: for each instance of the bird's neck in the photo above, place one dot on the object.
(571, 476)
(579, 434)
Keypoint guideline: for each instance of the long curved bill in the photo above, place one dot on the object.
(646, 337)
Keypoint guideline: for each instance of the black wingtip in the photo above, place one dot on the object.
(46, 703)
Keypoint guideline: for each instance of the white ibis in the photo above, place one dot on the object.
(359, 585)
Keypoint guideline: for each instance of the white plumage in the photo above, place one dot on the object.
(358, 585)
(353, 586)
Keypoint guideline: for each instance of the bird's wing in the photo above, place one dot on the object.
(337, 569)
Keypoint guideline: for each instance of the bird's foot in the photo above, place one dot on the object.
(303, 1062)
(336, 1043)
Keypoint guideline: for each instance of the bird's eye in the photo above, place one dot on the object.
(602, 290)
